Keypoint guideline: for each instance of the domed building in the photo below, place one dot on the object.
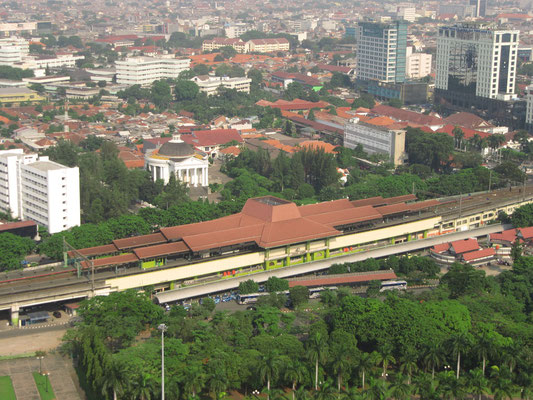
(178, 158)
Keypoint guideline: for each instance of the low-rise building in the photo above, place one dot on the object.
(145, 70)
(210, 84)
(217, 43)
(17, 95)
(38, 189)
(267, 45)
(376, 139)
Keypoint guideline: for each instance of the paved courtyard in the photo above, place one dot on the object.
(62, 377)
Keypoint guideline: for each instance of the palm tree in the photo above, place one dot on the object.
(217, 382)
(367, 361)
(195, 378)
(511, 354)
(268, 368)
(398, 388)
(408, 364)
(302, 394)
(143, 387)
(484, 348)
(377, 390)
(477, 383)
(458, 343)
(295, 373)
(112, 380)
(433, 357)
(340, 365)
(458, 136)
(386, 358)
(427, 388)
(327, 392)
(317, 351)
(500, 383)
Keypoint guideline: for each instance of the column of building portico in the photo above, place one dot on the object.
(195, 177)
(15, 315)
(206, 176)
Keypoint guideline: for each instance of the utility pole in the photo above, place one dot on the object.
(490, 179)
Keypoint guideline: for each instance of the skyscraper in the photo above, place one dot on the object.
(481, 7)
(381, 51)
(476, 61)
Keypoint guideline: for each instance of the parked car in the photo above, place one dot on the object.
(56, 314)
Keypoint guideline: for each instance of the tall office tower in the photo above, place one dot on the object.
(40, 190)
(481, 7)
(381, 51)
(476, 61)
(529, 107)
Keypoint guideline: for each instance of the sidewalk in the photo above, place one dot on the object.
(62, 377)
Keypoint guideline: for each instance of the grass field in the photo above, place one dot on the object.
(43, 386)
(6, 389)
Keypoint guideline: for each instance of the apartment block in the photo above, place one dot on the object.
(40, 190)
(145, 70)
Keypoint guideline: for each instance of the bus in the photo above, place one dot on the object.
(393, 285)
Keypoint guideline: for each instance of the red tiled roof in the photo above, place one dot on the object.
(138, 241)
(96, 251)
(337, 280)
(406, 115)
(441, 248)
(214, 137)
(506, 236)
(16, 225)
(371, 201)
(525, 233)
(464, 246)
(476, 255)
(113, 260)
(161, 250)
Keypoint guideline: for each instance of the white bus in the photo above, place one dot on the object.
(393, 285)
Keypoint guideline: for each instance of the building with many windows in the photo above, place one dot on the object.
(376, 138)
(480, 7)
(529, 107)
(210, 84)
(381, 51)
(145, 70)
(40, 190)
(473, 60)
(418, 64)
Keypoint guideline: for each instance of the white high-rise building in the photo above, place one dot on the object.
(13, 50)
(40, 190)
(475, 60)
(145, 70)
(418, 64)
(529, 108)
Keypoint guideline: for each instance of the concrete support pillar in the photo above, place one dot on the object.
(15, 315)
(206, 176)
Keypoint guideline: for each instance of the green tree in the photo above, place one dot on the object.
(160, 94)
(275, 284)
(477, 382)
(299, 295)
(458, 344)
(186, 90)
(269, 366)
(367, 361)
(13, 249)
(433, 356)
(464, 279)
(248, 286)
(317, 352)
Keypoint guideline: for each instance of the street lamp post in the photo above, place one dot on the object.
(47, 374)
(162, 328)
(40, 358)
